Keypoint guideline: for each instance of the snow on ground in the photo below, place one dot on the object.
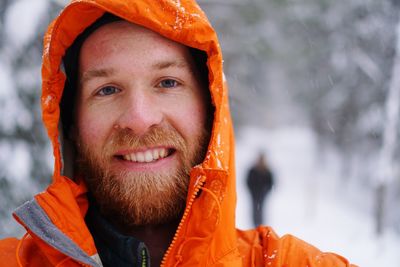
(304, 203)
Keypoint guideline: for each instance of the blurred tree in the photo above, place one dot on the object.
(385, 174)
(24, 148)
(321, 63)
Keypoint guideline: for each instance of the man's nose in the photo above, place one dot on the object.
(139, 112)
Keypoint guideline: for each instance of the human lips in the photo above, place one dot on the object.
(147, 155)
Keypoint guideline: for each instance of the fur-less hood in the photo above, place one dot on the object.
(180, 21)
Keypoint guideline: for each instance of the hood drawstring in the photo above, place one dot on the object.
(214, 196)
(19, 248)
(178, 256)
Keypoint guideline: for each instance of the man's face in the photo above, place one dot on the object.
(140, 121)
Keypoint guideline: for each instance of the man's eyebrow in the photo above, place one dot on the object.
(170, 63)
(90, 74)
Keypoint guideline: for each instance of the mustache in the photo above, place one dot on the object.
(156, 136)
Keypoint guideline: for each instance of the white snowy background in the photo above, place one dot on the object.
(309, 200)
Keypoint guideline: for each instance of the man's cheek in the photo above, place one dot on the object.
(90, 133)
(195, 123)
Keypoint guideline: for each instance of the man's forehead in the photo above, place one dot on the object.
(179, 63)
(123, 36)
(123, 30)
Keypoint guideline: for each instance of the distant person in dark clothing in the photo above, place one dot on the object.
(260, 181)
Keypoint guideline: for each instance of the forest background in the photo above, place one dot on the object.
(326, 66)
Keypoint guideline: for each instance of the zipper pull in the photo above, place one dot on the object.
(144, 257)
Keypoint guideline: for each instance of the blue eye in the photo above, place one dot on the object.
(108, 90)
(168, 83)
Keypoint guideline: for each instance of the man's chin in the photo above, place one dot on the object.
(134, 199)
(126, 215)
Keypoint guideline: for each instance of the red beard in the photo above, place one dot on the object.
(130, 198)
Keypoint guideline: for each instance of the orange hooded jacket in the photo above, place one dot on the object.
(56, 233)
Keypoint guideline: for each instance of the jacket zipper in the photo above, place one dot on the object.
(185, 214)
(144, 258)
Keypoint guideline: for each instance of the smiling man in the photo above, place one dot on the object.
(136, 106)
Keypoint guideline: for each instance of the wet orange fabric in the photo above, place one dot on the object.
(206, 235)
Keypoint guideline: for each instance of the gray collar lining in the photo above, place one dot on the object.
(34, 218)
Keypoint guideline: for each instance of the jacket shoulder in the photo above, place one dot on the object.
(263, 247)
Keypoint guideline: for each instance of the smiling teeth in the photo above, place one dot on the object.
(146, 156)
